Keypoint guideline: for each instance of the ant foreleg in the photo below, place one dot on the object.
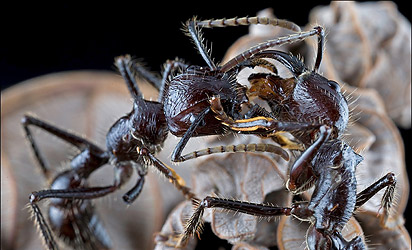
(124, 65)
(77, 193)
(177, 152)
(73, 139)
(388, 181)
(301, 173)
(133, 193)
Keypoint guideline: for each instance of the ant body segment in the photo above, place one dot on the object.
(131, 144)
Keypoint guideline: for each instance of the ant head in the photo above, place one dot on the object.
(323, 97)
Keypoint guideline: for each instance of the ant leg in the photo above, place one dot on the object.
(301, 174)
(75, 140)
(128, 69)
(123, 64)
(264, 126)
(194, 224)
(167, 171)
(196, 35)
(388, 181)
(133, 193)
(43, 227)
(194, 32)
(177, 152)
(169, 68)
(76, 193)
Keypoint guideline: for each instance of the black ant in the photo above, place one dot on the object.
(313, 109)
(131, 144)
(189, 97)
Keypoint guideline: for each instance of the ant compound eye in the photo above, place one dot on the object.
(334, 85)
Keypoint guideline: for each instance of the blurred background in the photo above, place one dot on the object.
(38, 39)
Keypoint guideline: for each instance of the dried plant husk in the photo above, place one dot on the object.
(380, 238)
(87, 103)
(168, 236)
(385, 153)
(247, 177)
(369, 46)
(292, 232)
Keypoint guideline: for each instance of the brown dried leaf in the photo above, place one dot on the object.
(241, 176)
(368, 46)
(292, 232)
(379, 238)
(247, 246)
(384, 154)
(173, 227)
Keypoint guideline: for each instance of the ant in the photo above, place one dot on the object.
(313, 109)
(189, 97)
(131, 144)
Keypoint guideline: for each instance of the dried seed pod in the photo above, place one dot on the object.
(174, 225)
(396, 238)
(242, 176)
(384, 153)
(248, 246)
(369, 47)
(292, 232)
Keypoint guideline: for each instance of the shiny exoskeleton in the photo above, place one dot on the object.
(313, 109)
(131, 143)
(188, 96)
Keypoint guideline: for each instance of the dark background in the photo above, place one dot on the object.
(41, 39)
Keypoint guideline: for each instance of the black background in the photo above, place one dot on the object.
(41, 39)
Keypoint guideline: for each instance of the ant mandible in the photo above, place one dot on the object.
(131, 144)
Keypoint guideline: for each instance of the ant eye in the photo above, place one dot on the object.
(334, 85)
